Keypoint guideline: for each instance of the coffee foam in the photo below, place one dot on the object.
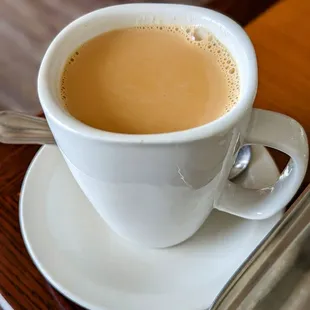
(205, 40)
(200, 37)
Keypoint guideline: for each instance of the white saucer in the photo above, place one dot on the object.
(78, 254)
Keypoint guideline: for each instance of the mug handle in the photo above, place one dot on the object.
(280, 132)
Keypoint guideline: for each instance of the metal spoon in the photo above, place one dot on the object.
(242, 161)
(19, 128)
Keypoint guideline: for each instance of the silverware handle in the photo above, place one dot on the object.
(19, 128)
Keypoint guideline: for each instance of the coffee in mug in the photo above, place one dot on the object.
(150, 79)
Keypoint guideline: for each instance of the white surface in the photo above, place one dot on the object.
(81, 257)
(158, 189)
(4, 305)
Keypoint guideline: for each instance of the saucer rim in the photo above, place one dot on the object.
(43, 271)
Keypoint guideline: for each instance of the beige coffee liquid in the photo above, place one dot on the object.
(151, 79)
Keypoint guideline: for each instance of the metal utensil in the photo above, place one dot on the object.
(19, 128)
(277, 275)
(242, 161)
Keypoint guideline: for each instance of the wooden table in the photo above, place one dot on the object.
(284, 62)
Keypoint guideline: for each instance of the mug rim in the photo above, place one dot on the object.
(54, 111)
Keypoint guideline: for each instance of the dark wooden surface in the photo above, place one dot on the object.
(284, 86)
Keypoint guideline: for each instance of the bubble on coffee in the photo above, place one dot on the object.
(70, 61)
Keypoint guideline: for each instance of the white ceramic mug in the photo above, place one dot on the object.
(158, 189)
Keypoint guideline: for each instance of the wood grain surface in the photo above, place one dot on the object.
(284, 86)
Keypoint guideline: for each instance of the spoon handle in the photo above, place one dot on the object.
(19, 128)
